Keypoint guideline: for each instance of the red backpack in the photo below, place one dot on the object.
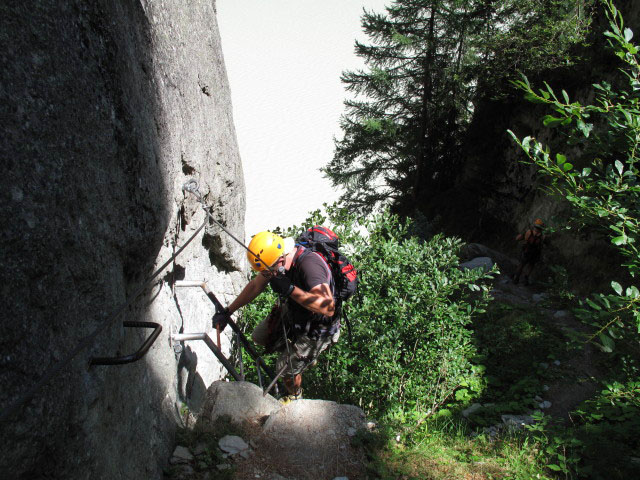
(326, 243)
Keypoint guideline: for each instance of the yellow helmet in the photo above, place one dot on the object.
(268, 247)
(538, 223)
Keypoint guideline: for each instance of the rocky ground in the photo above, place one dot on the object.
(564, 394)
(242, 435)
(579, 380)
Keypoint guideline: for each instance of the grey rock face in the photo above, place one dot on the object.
(108, 108)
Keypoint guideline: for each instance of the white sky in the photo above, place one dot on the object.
(284, 59)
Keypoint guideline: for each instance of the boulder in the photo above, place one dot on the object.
(517, 421)
(539, 297)
(474, 250)
(473, 408)
(181, 455)
(485, 263)
(314, 430)
(238, 401)
(232, 444)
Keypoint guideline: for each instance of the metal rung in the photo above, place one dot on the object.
(184, 337)
(234, 326)
(134, 357)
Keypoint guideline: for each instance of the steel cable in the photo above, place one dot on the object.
(192, 187)
(53, 371)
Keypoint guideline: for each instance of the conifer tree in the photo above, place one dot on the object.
(405, 122)
(396, 139)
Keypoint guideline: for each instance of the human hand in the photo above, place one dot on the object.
(221, 319)
(281, 285)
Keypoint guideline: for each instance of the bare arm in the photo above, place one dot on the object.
(318, 300)
(251, 290)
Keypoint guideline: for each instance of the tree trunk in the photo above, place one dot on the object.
(425, 143)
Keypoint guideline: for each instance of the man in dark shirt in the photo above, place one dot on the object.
(306, 310)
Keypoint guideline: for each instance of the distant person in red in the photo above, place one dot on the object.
(531, 242)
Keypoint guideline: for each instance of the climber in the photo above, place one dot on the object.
(306, 307)
(531, 242)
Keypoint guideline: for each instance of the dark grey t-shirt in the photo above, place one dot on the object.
(308, 272)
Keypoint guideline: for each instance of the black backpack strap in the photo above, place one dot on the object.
(340, 313)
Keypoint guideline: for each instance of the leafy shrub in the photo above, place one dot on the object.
(612, 414)
(606, 195)
(601, 441)
(410, 344)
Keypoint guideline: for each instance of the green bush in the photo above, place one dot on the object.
(410, 344)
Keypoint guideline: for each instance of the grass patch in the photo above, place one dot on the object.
(442, 449)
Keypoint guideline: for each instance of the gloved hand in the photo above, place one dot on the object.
(221, 319)
(281, 285)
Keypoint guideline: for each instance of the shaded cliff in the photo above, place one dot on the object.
(108, 108)
(496, 195)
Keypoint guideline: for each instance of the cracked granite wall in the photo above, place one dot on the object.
(108, 107)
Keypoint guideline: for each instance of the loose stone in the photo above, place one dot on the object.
(181, 455)
(232, 444)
